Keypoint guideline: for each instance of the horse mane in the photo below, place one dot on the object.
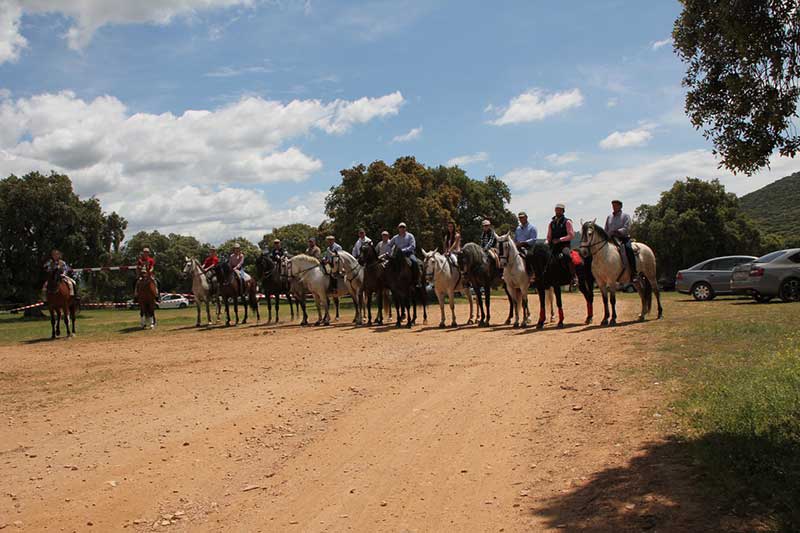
(599, 230)
(305, 260)
(472, 254)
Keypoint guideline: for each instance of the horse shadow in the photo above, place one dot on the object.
(43, 339)
(619, 324)
(680, 485)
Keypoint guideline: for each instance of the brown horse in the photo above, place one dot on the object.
(60, 303)
(147, 293)
(230, 289)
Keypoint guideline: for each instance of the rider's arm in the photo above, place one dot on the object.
(625, 230)
(549, 232)
(570, 232)
(412, 244)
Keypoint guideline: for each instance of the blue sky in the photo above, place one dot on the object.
(227, 117)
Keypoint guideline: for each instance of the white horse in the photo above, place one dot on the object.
(517, 280)
(353, 274)
(447, 280)
(309, 276)
(201, 288)
(609, 270)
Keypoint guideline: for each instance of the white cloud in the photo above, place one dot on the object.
(662, 43)
(11, 41)
(589, 195)
(562, 159)
(134, 161)
(414, 133)
(612, 102)
(626, 139)
(468, 159)
(89, 15)
(535, 104)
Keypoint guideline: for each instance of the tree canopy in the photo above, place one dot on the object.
(693, 221)
(743, 61)
(41, 212)
(381, 196)
(294, 237)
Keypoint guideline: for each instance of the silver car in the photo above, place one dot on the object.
(710, 278)
(774, 274)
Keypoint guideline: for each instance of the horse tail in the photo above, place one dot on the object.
(648, 295)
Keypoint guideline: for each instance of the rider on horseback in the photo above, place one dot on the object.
(327, 260)
(384, 247)
(211, 261)
(56, 264)
(277, 252)
(618, 227)
(407, 244)
(236, 262)
(452, 243)
(362, 240)
(525, 236)
(489, 241)
(559, 236)
(146, 264)
(313, 250)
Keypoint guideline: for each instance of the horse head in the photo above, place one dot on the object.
(188, 266)
(589, 235)
(264, 265)
(429, 263)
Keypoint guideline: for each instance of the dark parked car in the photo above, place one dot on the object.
(771, 275)
(710, 278)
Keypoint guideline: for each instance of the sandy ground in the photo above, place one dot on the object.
(333, 429)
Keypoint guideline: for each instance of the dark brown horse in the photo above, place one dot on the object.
(274, 279)
(146, 293)
(482, 274)
(60, 303)
(405, 279)
(230, 288)
(374, 281)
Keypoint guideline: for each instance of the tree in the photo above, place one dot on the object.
(380, 196)
(38, 213)
(170, 252)
(251, 252)
(693, 221)
(294, 237)
(114, 231)
(743, 61)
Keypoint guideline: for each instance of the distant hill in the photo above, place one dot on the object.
(776, 207)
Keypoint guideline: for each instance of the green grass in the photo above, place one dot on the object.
(736, 368)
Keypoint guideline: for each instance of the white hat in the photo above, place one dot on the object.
(236, 245)
(486, 222)
(401, 225)
(560, 206)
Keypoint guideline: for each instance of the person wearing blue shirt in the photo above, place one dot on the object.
(525, 235)
(405, 242)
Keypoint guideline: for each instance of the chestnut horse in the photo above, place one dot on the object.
(147, 293)
(60, 303)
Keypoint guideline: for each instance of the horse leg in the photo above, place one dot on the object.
(72, 307)
(560, 324)
(488, 290)
(53, 323)
(197, 305)
(613, 298)
(408, 300)
(541, 291)
(336, 305)
(66, 320)
(227, 312)
(604, 293)
(588, 295)
(511, 307)
(658, 301)
(469, 298)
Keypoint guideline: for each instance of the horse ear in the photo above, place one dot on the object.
(436, 250)
(581, 221)
(186, 257)
(424, 252)
(594, 220)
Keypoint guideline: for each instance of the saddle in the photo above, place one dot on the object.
(623, 256)
(492, 253)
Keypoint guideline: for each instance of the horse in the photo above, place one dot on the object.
(447, 279)
(230, 288)
(549, 272)
(307, 274)
(516, 278)
(608, 270)
(374, 281)
(402, 277)
(274, 280)
(482, 274)
(203, 289)
(353, 274)
(146, 293)
(60, 302)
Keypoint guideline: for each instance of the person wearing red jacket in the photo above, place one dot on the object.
(146, 263)
(211, 261)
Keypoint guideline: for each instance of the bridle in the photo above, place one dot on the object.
(591, 247)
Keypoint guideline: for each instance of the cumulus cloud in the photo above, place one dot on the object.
(626, 139)
(414, 133)
(468, 159)
(589, 195)
(562, 159)
(662, 43)
(11, 41)
(535, 105)
(136, 160)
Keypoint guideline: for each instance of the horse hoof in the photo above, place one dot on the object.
(470, 322)
(540, 325)
(453, 324)
(604, 322)
(507, 322)
(613, 322)
(408, 326)
(442, 325)
(515, 326)
(588, 320)
(640, 319)
(560, 325)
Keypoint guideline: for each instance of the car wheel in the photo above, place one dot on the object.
(182, 306)
(790, 290)
(702, 292)
(761, 298)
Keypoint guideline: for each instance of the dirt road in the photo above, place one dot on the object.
(321, 429)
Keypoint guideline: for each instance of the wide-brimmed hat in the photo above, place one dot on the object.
(236, 245)
(146, 249)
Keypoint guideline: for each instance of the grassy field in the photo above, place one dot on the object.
(735, 367)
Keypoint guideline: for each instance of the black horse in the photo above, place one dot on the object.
(404, 278)
(374, 280)
(550, 270)
(231, 288)
(482, 274)
(274, 282)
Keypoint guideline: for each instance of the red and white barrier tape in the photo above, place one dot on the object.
(123, 268)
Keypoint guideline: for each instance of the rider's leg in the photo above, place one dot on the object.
(631, 260)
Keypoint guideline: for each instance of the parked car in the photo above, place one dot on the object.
(710, 278)
(776, 274)
(172, 301)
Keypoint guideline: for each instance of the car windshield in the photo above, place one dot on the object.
(769, 257)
